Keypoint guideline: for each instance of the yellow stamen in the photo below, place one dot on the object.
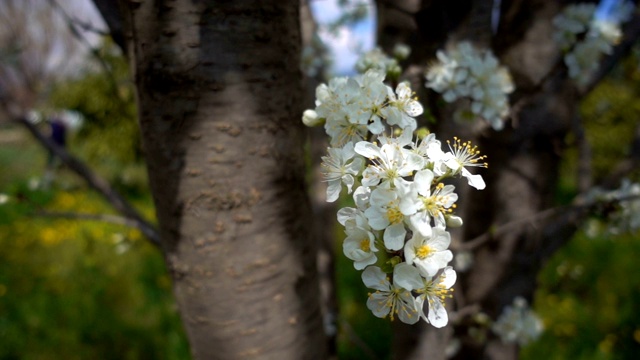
(364, 245)
(424, 251)
(394, 215)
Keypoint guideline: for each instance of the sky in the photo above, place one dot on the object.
(82, 12)
(346, 43)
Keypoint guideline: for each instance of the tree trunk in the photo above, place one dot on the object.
(219, 98)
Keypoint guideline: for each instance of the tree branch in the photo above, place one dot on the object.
(495, 232)
(95, 182)
(112, 16)
(568, 213)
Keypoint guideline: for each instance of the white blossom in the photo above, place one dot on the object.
(376, 59)
(585, 39)
(429, 253)
(389, 299)
(403, 108)
(465, 154)
(518, 323)
(466, 72)
(338, 168)
(389, 163)
(359, 246)
(624, 202)
(402, 205)
(432, 291)
(425, 202)
(384, 214)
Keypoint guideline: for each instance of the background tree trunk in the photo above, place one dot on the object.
(219, 97)
(524, 160)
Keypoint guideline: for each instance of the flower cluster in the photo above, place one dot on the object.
(376, 59)
(353, 107)
(585, 39)
(470, 73)
(396, 232)
(518, 323)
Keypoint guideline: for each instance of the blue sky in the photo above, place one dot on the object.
(349, 42)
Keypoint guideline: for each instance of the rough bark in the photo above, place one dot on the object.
(219, 107)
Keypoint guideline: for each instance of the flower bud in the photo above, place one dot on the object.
(311, 119)
(454, 221)
(401, 51)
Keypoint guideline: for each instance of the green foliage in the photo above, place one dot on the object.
(109, 139)
(73, 289)
(589, 299)
(589, 292)
(360, 334)
(78, 289)
(610, 114)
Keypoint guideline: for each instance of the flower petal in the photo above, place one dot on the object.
(407, 277)
(333, 191)
(438, 316)
(474, 180)
(394, 236)
(367, 149)
(374, 278)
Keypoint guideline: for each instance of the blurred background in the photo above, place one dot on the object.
(77, 283)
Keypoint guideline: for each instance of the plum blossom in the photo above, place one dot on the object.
(474, 74)
(432, 291)
(389, 299)
(518, 323)
(396, 229)
(429, 254)
(359, 246)
(340, 166)
(389, 163)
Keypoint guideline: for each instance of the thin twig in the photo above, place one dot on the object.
(496, 232)
(94, 181)
(469, 310)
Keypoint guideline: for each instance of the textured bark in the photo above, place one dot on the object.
(219, 105)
